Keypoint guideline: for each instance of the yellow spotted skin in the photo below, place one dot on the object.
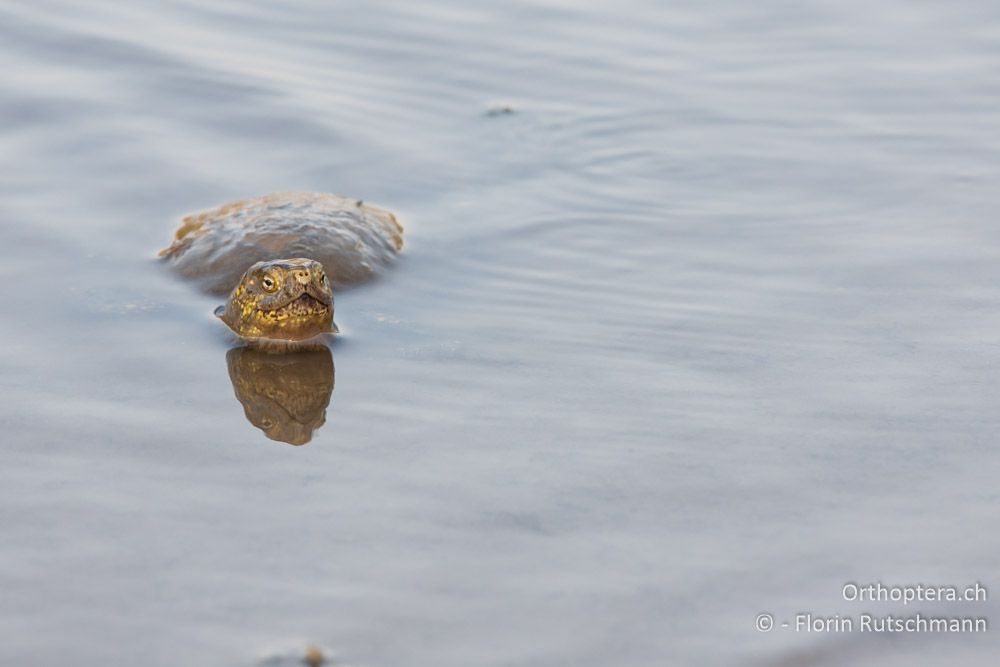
(281, 300)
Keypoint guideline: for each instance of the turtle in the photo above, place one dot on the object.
(280, 256)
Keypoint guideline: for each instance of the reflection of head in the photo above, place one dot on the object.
(284, 395)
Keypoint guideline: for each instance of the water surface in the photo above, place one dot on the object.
(707, 326)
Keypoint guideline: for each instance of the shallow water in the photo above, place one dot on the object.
(706, 327)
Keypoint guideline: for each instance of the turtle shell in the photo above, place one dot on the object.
(352, 240)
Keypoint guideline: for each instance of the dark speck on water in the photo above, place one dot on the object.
(500, 111)
(712, 330)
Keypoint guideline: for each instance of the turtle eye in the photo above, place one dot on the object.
(320, 276)
(267, 282)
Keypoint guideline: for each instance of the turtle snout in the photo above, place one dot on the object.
(301, 276)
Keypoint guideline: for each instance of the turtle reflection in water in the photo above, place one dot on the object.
(284, 395)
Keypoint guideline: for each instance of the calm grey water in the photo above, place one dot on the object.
(706, 327)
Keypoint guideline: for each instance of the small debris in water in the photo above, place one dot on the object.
(294, 655)
(500, 111)
(314, 657)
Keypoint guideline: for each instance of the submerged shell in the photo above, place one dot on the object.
(352, 240)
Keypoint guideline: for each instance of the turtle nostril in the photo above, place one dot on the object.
(302, 277)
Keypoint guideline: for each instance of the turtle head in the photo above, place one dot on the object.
(281, 299)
